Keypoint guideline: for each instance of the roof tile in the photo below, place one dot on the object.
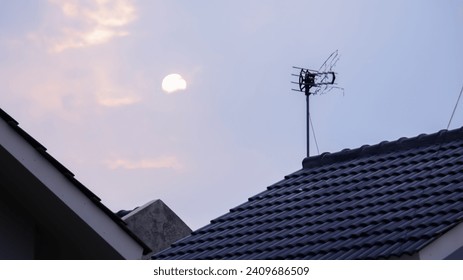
(379, 201)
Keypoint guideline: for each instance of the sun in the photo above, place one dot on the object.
(173, 82)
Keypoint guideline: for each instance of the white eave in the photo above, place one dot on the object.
(55, 198)
(447, 246)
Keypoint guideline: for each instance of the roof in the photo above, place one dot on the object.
(388, 200)
(28, 161)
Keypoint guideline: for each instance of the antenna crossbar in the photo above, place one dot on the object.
(316, 81)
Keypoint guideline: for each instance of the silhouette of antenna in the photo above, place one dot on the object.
(313, 82)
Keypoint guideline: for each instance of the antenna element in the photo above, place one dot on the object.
(316, 82)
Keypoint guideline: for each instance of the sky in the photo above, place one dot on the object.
(85, 77)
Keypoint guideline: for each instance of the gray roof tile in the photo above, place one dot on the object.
(379, 201)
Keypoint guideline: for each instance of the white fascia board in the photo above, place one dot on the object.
(67, 192)
(444, 246)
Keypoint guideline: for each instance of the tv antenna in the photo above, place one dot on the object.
(313, 82)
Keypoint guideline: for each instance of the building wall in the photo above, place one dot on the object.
(17, 232)
(448, 246)
(23, 238)
(456, 255)
(157, 225)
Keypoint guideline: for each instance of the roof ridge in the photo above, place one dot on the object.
(401, 144)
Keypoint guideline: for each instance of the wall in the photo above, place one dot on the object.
(17, 231)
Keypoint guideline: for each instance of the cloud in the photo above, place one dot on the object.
(116, 98)
(117, 102)
(168, 162)
(43, 90)
(89, 23)
(110, 93)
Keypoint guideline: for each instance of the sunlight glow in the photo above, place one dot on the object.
(173, 82)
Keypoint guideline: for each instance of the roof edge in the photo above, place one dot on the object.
(403, 143)
(71, 177)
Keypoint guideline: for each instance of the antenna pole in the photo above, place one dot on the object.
(320, 81)
(308, 125)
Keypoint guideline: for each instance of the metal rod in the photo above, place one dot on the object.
(308, 125)
(456, 105)
(314, 71)
(314, 136)
(300, 68)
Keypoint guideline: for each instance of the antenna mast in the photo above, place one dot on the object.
(313, 82)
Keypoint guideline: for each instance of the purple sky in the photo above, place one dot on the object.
(84, 78)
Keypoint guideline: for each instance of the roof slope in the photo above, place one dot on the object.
(381, 201)
(68, 175)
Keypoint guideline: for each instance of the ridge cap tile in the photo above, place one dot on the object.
(401, 144)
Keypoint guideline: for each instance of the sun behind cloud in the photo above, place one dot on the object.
(173, 82)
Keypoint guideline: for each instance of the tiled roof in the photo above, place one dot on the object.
(70, 176)
(382, 201)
